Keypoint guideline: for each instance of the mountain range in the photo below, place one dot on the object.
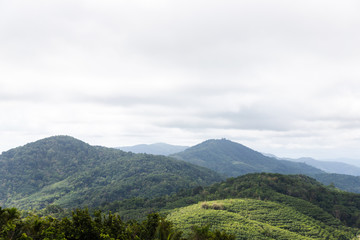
(68, 172)
(64, 171)
(326, 166)
(233, 159)
(60, 173)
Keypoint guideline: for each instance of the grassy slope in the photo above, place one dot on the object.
(256, 219)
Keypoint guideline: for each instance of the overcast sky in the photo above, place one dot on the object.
(281, 77)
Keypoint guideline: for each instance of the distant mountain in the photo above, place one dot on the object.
(341, 181)
(67, 172)
(330, 167)
(156, 148)
(326, 166)
(233, 159)
(351, 161)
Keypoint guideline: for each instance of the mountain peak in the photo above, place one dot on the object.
(234, 159)
(222, 142)
(89, 174)
(59, 143)
(59, 139)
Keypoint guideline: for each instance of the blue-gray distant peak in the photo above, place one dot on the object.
(155, 148)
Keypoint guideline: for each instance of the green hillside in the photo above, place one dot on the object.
(262, 206)
(233, 159)
(256, 219)
(67, 172)
(305, 194)
(342, 181)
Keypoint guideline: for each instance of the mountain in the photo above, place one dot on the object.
(156, 148)
(340, 175)
(331, 167)
(233, 159)
(326, 166)
(351, 161)
(341, 181)
(64, 171)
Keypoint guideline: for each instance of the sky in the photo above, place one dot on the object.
(281, 77)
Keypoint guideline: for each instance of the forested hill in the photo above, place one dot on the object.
(303, 193)
(67, 172)
(233, 159)
(342, 181)
(252, 206)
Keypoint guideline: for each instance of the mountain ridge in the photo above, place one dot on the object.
(68, 172)
(303, 193)
(233, 159)
(325, 165)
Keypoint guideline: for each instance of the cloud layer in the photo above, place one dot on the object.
(278, 76)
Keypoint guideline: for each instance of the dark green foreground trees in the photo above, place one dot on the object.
(83, 226)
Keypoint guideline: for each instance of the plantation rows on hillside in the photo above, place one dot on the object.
(303, 193)
(256, 219)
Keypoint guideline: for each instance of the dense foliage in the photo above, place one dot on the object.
(61, 173)
(70, 173)
(305, 194)
(257, 219)
(233, 159)
(341, 181)
(83, 226)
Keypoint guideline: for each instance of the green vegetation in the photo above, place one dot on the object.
(341, 181)
(57, 174)
(233, 159)
(304, 194)
(69, 173)
(83, 226)
(256, 219)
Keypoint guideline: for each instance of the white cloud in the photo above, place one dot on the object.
(278, 76)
